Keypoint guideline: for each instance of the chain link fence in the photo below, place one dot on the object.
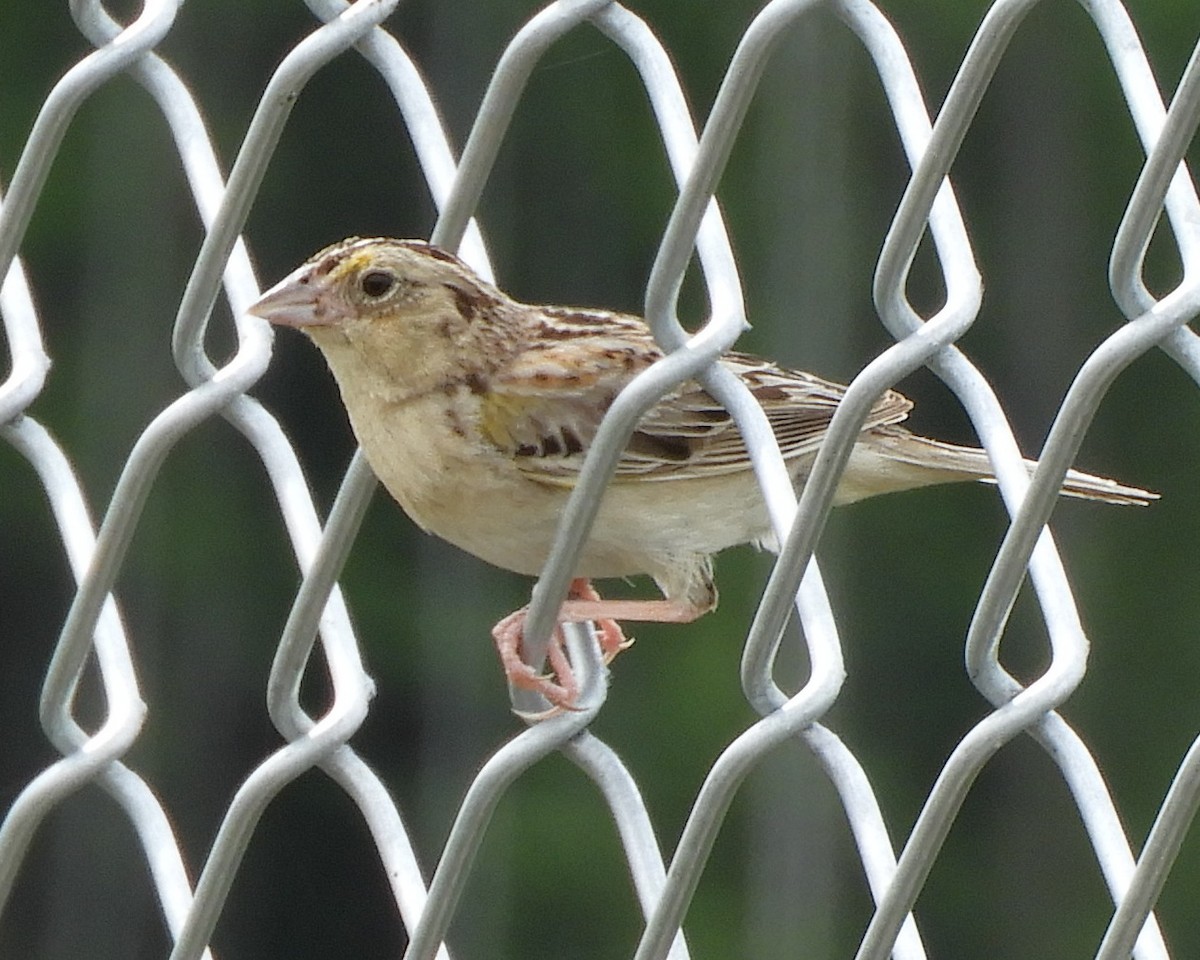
(93, 710)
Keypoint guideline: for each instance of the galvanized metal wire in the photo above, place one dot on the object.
(93, 629)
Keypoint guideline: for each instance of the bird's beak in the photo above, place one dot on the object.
(298, 300)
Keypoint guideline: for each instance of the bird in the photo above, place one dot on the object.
(476, 412)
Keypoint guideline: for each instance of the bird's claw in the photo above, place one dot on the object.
(558, 686)
(509, 634)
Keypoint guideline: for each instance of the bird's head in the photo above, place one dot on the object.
(402, 312)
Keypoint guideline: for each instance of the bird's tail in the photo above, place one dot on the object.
(914, 461)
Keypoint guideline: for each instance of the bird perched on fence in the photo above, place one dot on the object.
(476, 412)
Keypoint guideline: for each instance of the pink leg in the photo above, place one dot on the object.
(611, 636)
(583, 603)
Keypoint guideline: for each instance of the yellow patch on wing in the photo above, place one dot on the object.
(505, 419)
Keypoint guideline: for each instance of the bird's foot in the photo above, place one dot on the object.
(559, 687)
(509, 635)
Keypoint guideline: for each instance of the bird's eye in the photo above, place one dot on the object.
(377, 283)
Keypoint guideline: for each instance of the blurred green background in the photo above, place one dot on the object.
(572, 213)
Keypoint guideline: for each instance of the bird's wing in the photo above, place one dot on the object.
(798, 406)
(544, 407)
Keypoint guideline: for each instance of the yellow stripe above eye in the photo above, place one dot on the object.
(355, 260)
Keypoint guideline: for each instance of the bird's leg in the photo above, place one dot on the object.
(583, 604)
(611, 636)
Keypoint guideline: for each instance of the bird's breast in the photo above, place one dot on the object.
(429, 454)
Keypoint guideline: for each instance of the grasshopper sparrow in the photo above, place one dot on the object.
(476, 411)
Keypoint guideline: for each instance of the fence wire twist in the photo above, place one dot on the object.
(93, 753)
